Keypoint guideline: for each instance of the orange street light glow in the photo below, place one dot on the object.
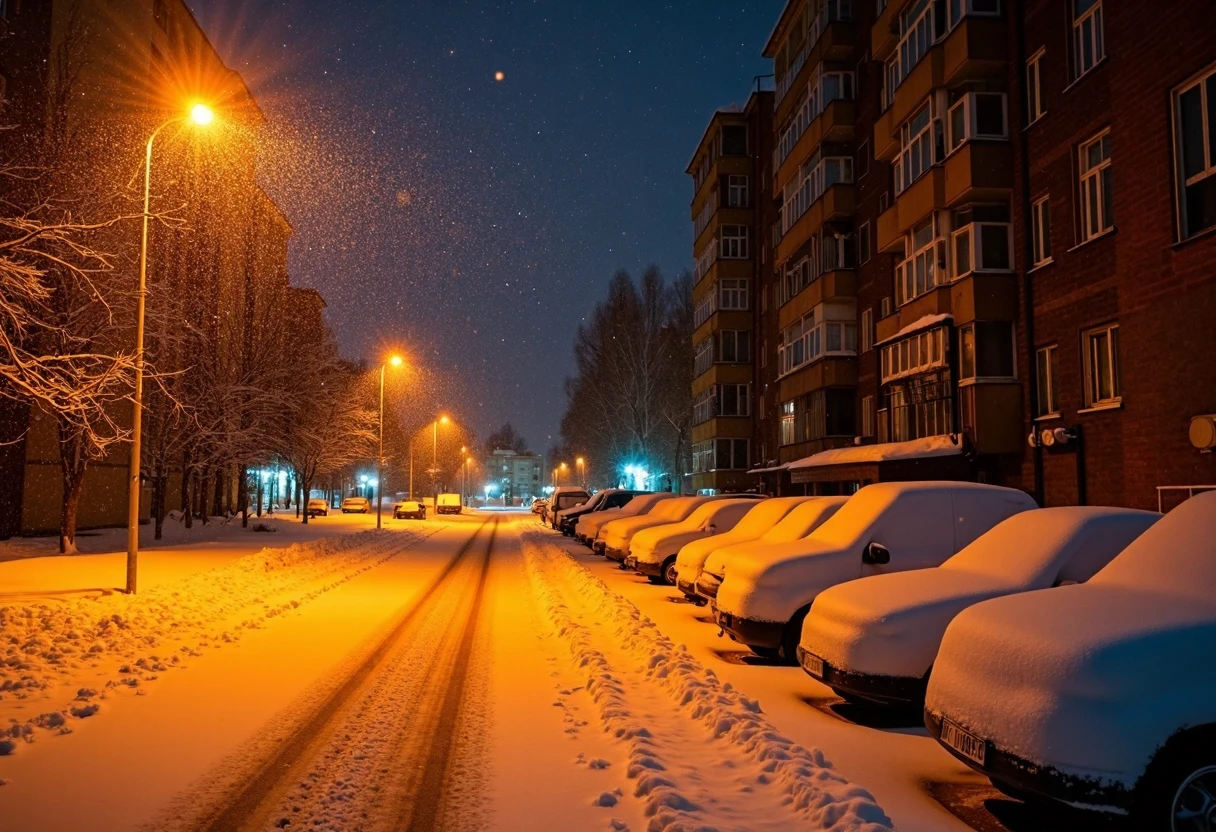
(443, 420)
(201, 115)
(396, 361)
(579, 460)
(500, 75)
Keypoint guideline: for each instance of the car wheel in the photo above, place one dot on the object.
(669, 571)
(1194, 803)
(1177, 793)
(792, 635)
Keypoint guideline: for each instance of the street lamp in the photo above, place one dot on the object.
(201, 115)
(435, 457)
(582, 471)
(396, 362)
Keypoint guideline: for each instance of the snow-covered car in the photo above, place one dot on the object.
(448, 504)
(356, 505)
(885, 527)
(589, 526)
(801, 522)
(318, 508)
(617, 535)
(564, 497)
(876, 638)
(652, 552)
(539, 505)
(605, 500)
(409, 509)
(761, 518)
(1100, 695)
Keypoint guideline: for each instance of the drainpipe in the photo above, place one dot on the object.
(1032, 370)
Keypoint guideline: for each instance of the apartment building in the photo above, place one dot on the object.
(728, 207)
(513, 475)
(969, 282)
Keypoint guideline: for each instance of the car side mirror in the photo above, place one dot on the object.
(876, 554)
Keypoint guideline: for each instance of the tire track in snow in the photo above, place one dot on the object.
(366, 756)
(629, 666)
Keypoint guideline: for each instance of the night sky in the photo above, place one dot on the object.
(476, 221)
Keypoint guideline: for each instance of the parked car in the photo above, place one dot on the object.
(448, 504)
(564, 497)
(539, 505)
(589, 526)
(760, 518)
(356, 505)
(1100, 695)
(617, 534)
(652, 552)
(409, 509)
(801, 522)
(605, 500)
(317, 508)
(885, 527)
(875, 639)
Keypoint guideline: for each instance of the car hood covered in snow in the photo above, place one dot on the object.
(1092, 679)
(762, 518)
(658, 544)
(639, 505)
(619, 533)
(892, 625)
(770, 583)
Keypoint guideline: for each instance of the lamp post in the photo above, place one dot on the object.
(582, 471)
(396, 362)
(201, 115)
(435, 457)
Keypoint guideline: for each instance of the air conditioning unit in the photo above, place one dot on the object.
(1202, 432)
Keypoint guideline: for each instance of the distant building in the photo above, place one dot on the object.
(513, 475)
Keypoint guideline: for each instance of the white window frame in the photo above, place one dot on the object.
(1093, 184)
(733, 294)
(1035, 109)
(867, 416)
(742, 399)
(1090, 355)
(922, 271)
(706, 307)
(867, 331)
(916, 149)
(963, 113)
(737, 337)
(703, 356)
(974, 234)
(737, 190)
(734, 242)
(806, 341)
(704, 406)
(788, 415)
(916, 354)
(975, 376)
(1046, 357)
(1204, 82)
(707, 258)
(1040, 231)
(1086, 57)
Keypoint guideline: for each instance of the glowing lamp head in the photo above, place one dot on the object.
(579, 460)
(443, 420)
(202, 115)
(396, 361)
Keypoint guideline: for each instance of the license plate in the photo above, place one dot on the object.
(813, 665)
(967, 744)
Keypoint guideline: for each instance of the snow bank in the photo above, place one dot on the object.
(734, 725)
(128, 640)
(1091, 679)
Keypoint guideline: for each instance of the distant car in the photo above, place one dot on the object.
(564, 497)
(448, 504)
(318, 508)
(409, 510)
(589, 525)
(1100, 695)
(875, 639)
(356, 505)
(884, 527)
(605, 500)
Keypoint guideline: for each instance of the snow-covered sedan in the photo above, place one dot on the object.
(617, 535)
(652, 552)
(409, 510)
(609, 498)
(702, 575)
(885, 527)
(356, 505)
(589, 527)
(318, 508)
(875, 639)
(1100, 695)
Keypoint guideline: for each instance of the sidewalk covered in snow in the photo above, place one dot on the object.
(929, 458)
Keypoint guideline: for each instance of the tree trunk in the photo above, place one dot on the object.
(204, 486)
(217, 503)
(242, 495)
(259, 491)
(159, 484)
(73, 464)
(306, 485)
(187, 503)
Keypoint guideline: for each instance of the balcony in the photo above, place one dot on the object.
(884, 34)
(984, 297)
(975, 48)
(826, 372)
(723, 216)
(722, 267)
(834, 124)
(722, 374)
(723, 427)
(722, 166)
(839, 284)
(934, 302)
(837, 202)
(925, 77)
(723, 319)
(992, 414)
(979, 171)
(834, 43)
(916, 202)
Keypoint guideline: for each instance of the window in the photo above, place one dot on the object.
(730, 454)
(1195, 135)
(160, 13)
(919, 274)
(787, 423)
(704, 406)
(734, 140)
(734, 242)
(1049, 394)
(920, 353)
(1040, 231)
(733, 400)
(820, 91)
(705, 307)
(1035, 108)
(986, 350)
(733, 293)
(707, 258)
(734, 346)
(863, 158)
(977, 115)
(867, 415)
(736, 191)
(1087, 47)
(1097, 188)
(867, 330)
(828, 329)
(918, 407)
(703, 457)
(816, 175)
(916, 142)
(983, 247)
(703, 356)
(1101, 348)
(884, 307)
(966, 8)
(918, 30)
(863, 243)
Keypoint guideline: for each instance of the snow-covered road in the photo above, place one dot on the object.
(477, 673)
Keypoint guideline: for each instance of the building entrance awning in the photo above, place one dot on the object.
(933, 457)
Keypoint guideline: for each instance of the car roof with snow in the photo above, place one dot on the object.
(803, 519)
